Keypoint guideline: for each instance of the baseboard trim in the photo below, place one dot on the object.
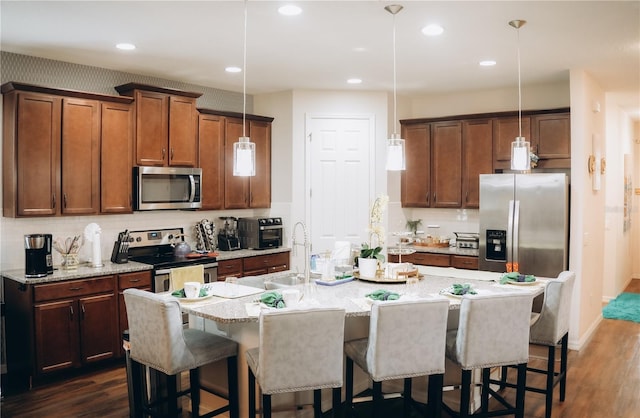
(586, 337)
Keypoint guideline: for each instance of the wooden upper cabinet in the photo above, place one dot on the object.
(446, 164)
(116, 158)
(477, 158)
(80, 163)
(211, 135)
(416, 179)
(505, 131)
(166, 125)
(260, 184)
(551, 140)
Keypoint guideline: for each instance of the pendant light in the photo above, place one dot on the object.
(244, 151)
(520, 148)
(395, 145)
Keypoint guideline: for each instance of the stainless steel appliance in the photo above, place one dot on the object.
(37, 255)
(524, 223)
(228, 239)
(467, 240)
(260, 233)
(167, 188)
(156, 247)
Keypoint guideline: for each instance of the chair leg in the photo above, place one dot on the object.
(194, 385)
(266, 406)
(348, 402)
(503, 377)
(377, 399)
(551, 364)
(252, 394)
(137, 388)
(465, 393)
(484, 393)
(407, 397)
(336, 397)
(172, 398)
(232, 383)
(563, 366)
(317, 403)
(434, 395)
(521, 389)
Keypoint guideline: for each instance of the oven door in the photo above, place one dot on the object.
(161, 277)
(270, 237)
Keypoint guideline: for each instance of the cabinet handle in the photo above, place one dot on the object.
(171, 154)
(427, 198)
(64, 200)
(70, 313)
(82, 311)
(164, 152)
(75, 289)
(53, 201)
(134, 280)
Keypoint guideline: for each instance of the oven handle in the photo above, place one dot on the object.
(206, 266)
(262, 228)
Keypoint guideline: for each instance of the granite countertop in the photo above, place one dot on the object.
(230, 255)
(84, 270)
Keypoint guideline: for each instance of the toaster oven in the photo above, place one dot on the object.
(258, 233)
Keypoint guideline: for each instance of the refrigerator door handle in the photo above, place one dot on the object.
(516, 229)
(510, 235)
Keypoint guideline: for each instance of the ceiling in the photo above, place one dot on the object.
(331, 41)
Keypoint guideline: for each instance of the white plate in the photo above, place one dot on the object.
(522, 283)
(451, 295)
(193, 299)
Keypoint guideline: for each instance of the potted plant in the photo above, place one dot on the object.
(412, 226)
(368, 259)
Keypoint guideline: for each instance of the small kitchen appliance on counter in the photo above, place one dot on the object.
(258, 233)
(467, 240)
(36, 255)
(228, 236)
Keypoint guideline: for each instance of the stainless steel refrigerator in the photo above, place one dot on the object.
(524, 223)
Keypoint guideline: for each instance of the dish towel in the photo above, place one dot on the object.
(382, 294)
(178, 276)
(180, 293)
(462, 289)
(516, 277)
(272, 299)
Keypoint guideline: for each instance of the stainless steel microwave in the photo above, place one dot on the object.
(167, 188)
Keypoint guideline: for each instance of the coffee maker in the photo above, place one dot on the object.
(228, 236)
(37, 255)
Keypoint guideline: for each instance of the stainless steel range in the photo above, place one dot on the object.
(155, 247)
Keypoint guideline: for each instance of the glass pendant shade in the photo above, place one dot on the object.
(395, 153)
(244, 157)
(520, 149)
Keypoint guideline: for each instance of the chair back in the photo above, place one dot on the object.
(407, 338)
(156, 331)
(553, 323)
(493, 330)
(179, 275)
(300, 350)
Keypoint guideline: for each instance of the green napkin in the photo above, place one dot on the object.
(516, 277)
(180, 293)
(462, 289)
(272, 299)
(382, 294)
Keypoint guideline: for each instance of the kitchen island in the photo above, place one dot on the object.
(237, 318)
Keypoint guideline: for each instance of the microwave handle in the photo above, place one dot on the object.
(192, 181)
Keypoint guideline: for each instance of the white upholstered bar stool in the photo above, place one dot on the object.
(550, 328)
(299, 350)
(493, 331)
(159, 341)
(406, 340)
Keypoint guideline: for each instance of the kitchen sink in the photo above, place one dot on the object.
(271, 282)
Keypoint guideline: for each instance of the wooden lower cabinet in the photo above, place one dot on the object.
(438, 260)
(229, 268)
(135, 280)
(254, 266)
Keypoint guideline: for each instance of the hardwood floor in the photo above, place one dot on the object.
(603, 381)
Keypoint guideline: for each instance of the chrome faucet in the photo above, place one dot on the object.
(307, 247)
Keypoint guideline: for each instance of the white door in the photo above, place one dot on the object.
(340, 179)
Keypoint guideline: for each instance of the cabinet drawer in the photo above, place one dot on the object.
(230, 266)
(464, 262)
(73, 288)
(426, 259)
(138, 279)
(265, 261)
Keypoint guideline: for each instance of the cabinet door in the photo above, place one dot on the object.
(236, 188)
(80, 156)
(477, 158)
(428, 259)
(552, 136)
(56, 336)
(38, 149)
(416, 179)
(505, 131)
(116, 158)
(260, 184)
(228, 268)
(152, 128)
(98, 327)
(446, 164)
(183, 119)
(464, 262)
(211, 157)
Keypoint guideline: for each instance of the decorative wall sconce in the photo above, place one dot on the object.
(596, 164)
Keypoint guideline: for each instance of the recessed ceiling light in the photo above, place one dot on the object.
(233, 69)
(433, 30)
(354, 81)
(290, 10)
(126, 46)
(487, 63)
